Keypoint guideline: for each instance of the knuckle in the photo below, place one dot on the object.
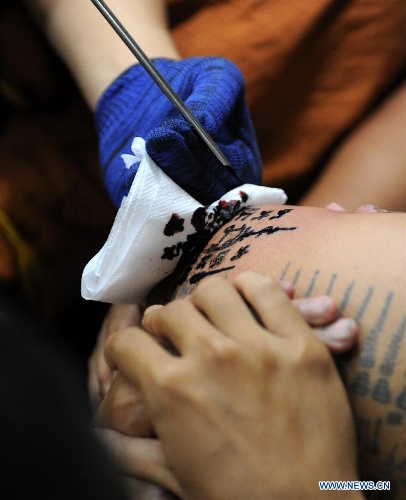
(260, 288)
(116, 340)
(268, 360)
(260, 280)
(169, 379)
(222, 351)
(311, 356)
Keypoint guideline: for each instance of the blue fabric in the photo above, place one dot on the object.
(134, 105)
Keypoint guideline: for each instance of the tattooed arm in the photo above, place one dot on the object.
(360, 260)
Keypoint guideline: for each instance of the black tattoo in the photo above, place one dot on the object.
(331, 284)
(394, 418)
(285, 271)
(312, 284)
(381, 391)
(205, 259)
(346, 298)
(362, 309)
(401, 400)
(199, 276)
(367, 358)
(388, 365)
(296, 278)
(360, 386)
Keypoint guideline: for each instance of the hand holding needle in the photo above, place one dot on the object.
(161, 82)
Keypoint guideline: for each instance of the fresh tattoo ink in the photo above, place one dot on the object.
(199, 276)
(205, 224)
(234, 244)
(240, 253)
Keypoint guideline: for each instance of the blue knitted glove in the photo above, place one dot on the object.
(134, 105)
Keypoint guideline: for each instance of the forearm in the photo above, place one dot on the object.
(369, 285)
(370, 166)
(91, 49)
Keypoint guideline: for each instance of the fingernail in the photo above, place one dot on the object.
(342, 329)
(288, 287)
(335, 207)
(373, 208)
(315, 307)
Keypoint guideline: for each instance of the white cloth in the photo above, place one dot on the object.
(132, 260)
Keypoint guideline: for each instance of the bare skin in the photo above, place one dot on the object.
(370, 166)
(236, 408)
(360, 261)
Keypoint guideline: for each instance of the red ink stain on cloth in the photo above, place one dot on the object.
(175, 225)
(205, 225)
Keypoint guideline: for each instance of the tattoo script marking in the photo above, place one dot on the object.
(234, 243)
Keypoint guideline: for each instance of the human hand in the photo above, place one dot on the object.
(213, 90)
(100, 375)
(339, 334)
(229, 336)
(122, 407)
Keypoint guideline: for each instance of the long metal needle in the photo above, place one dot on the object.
(160, 81)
